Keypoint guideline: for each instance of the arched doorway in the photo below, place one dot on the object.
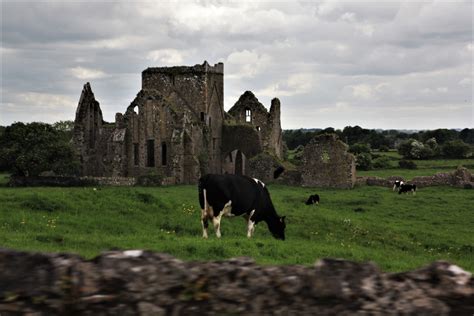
(239, 163)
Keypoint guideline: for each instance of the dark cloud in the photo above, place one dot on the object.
(330, 63)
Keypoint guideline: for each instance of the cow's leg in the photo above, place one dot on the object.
(226, 210)
(217, 224)
(204, 223)
(250, 225)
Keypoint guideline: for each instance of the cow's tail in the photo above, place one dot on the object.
(202, 198)
(414, 189)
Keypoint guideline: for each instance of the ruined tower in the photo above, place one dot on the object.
(174, 128)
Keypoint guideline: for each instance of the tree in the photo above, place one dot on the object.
(441, 135)
(359, 148)
(29, 149)
(414, 149)
(364, 161)
(467, 135)
(456, 149)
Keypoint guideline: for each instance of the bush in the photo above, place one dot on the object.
(384, 148)
(30, 149)
(456, 149)
(414, 149)
(359, 148)
(364, 161)
(382, 162)
(407, 164)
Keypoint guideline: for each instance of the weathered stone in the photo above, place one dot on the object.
(461, 177)
(139, 282)
(327, 163)
(174, 129)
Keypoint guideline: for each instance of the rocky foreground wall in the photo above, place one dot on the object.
(136, 282)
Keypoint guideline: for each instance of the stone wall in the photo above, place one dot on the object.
(461, 177)
(136, 282)
(52, 181)
(262, 167)
(249, 111)
(327, 163)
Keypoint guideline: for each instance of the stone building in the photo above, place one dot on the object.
(176, 128)
(327, 163)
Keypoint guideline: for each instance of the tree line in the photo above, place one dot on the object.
(28, 149)
(438, 143)
(378, 139)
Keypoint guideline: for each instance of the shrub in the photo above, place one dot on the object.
(382, 162)
(359, 148)
(364, 161)
(407, 164)
(456, 149)
(30, 149)
(384, 148)
(414, 149)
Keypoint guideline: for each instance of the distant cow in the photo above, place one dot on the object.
(231, 195)
(405, 188)
(397, 184)
(313, 199)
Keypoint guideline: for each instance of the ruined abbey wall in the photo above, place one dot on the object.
(174, 129)
(249, 111)
(326, 162)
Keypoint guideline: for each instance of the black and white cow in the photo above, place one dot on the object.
(397, 184)
(234, 195)
(313, 199)
(405, 188)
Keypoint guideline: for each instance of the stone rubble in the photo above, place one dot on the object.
(145, 283)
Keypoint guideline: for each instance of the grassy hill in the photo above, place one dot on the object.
(398, 232)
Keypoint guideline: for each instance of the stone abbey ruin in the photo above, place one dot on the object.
(176, 129)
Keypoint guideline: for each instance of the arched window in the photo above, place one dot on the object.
(150, 148)
(248, 115)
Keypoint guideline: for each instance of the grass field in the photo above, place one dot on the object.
(424, 167)
(398, 232)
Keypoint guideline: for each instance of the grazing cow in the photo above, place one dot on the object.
(397, 184)
(313, 199)
(231, 195)
(405, 188)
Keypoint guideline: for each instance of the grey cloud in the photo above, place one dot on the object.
(331, 61)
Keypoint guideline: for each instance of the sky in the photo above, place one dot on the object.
(376, 64)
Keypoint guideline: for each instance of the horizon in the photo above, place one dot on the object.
(379, 65)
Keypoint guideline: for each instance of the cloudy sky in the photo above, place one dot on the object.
(404, 65)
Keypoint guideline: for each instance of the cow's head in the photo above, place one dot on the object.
(277, 228)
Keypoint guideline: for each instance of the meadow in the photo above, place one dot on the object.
(398, 232)
(426, 167)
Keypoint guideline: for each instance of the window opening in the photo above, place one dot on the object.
(248, 115)
(163, 154)
(135, 154)
(150, 148)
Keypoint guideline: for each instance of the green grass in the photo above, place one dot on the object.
(424, 167)
(4, 178)
(398, 232)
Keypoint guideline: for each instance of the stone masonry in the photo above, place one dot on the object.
(137, 282)
(327, 163)
(174, 128)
